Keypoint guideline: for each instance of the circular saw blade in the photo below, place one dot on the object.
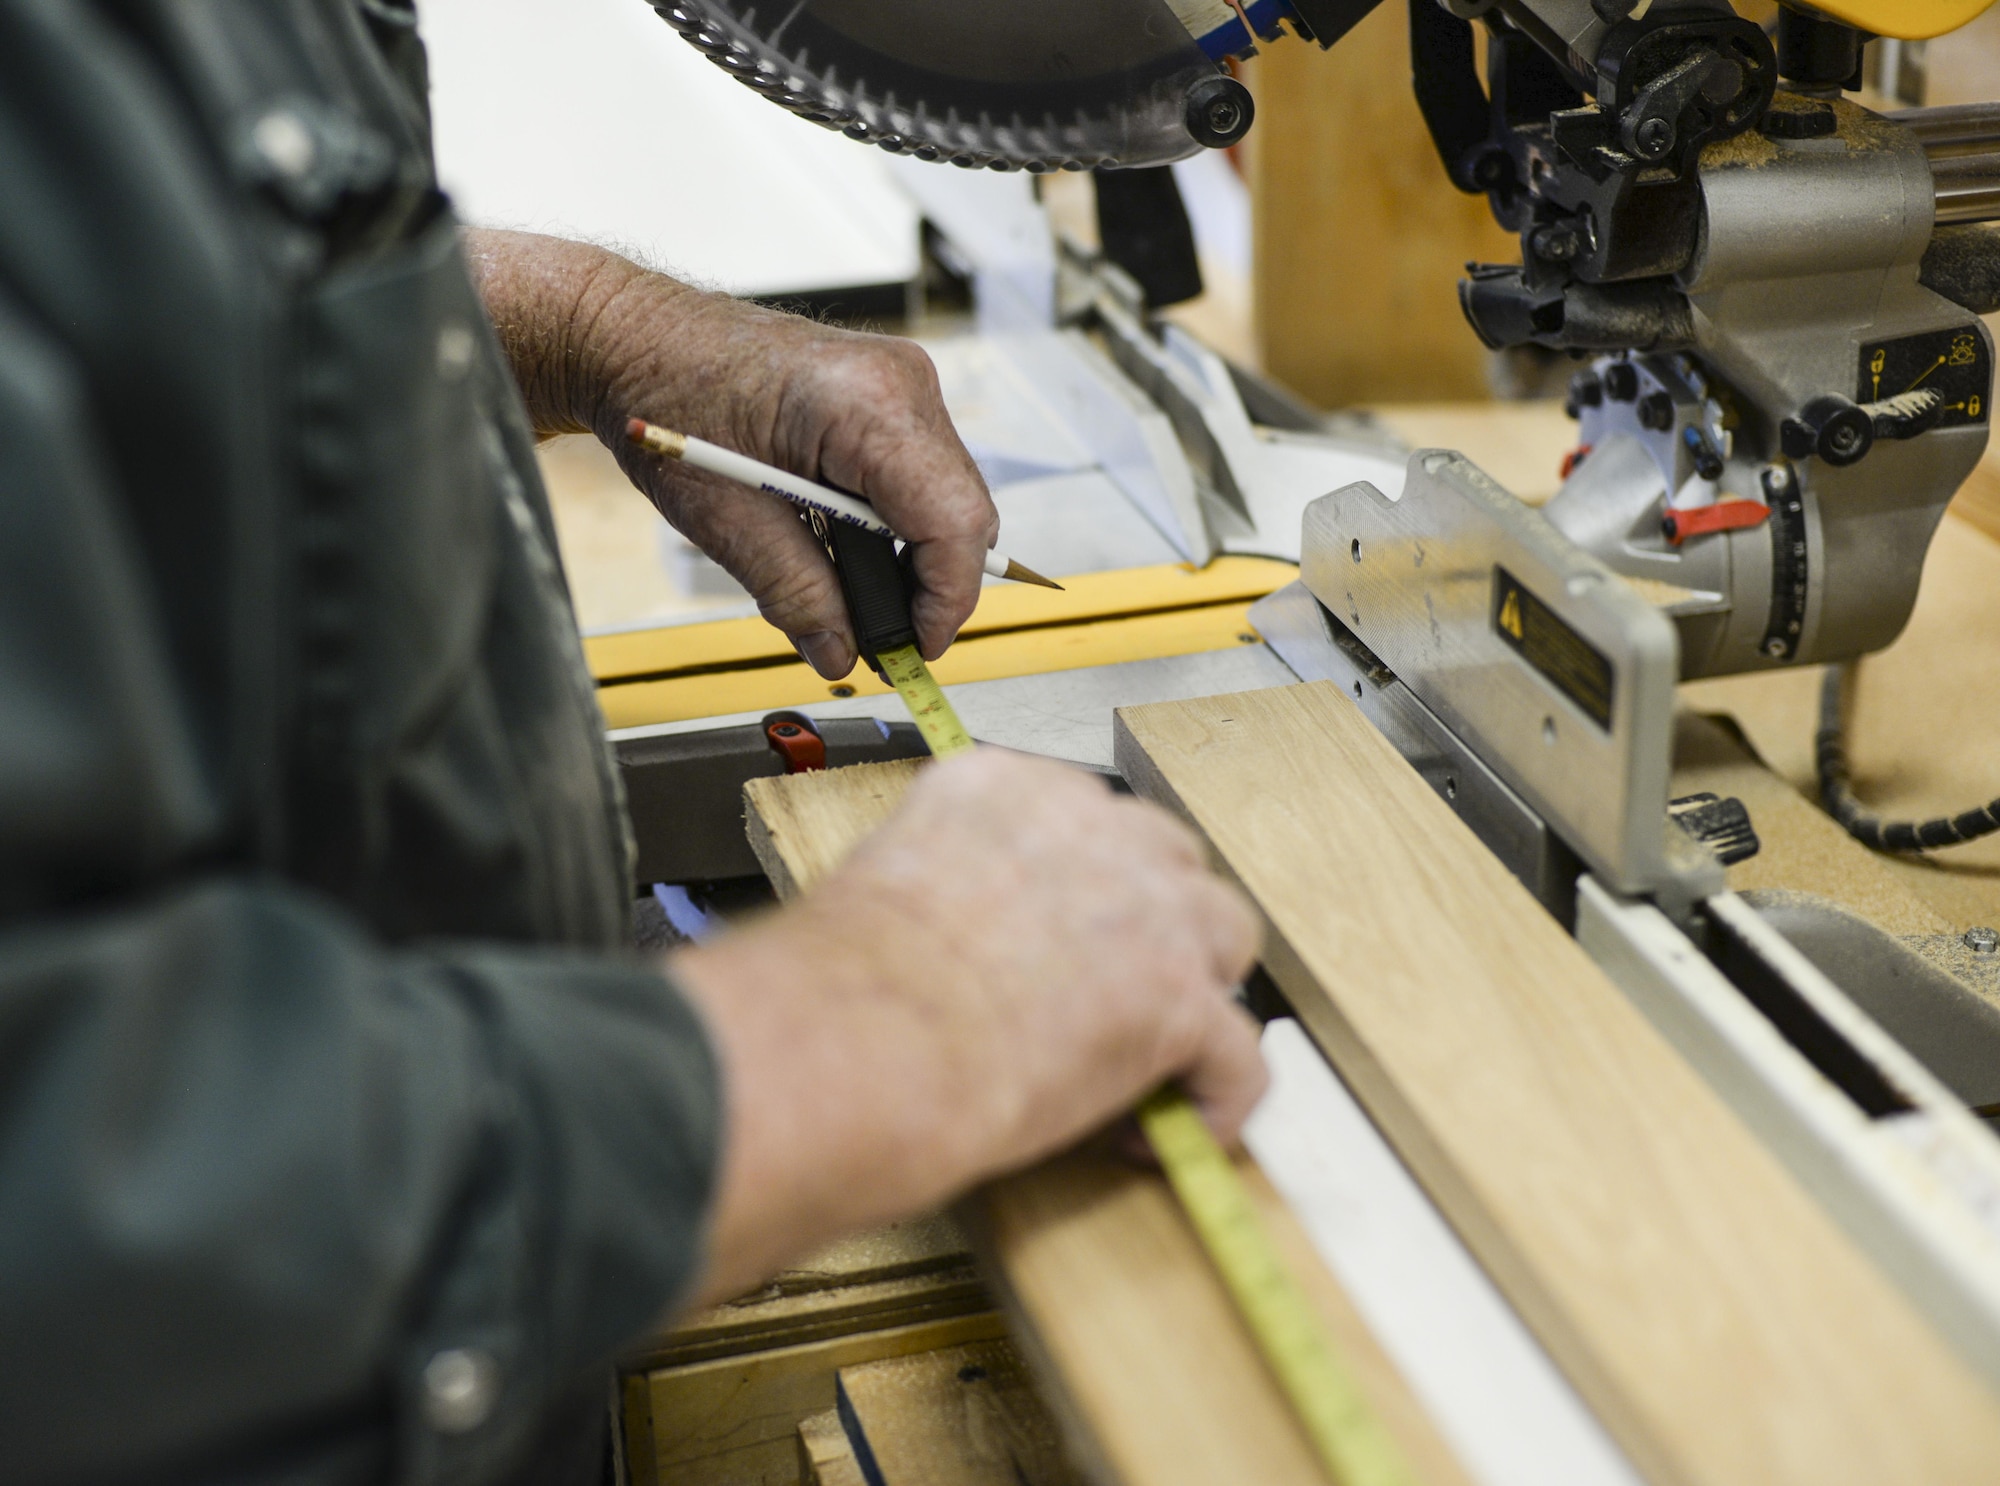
(1027, 85)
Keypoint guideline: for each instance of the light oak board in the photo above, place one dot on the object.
(1107, 1289)
(1718, 1322)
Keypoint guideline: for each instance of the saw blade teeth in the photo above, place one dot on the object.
(808, 57)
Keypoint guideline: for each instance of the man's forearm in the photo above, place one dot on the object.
(578, 322)
(593, 338)
(545, 296)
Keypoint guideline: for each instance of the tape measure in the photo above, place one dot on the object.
(943, 733)
(1350, 1441)
(1288, 1331)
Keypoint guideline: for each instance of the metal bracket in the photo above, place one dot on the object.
(1317, 647)
(1533, 653)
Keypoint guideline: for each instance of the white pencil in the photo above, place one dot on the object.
(800, 491)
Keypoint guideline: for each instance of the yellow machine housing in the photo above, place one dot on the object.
(1906, 20)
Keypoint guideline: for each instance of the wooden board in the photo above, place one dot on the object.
(1358, 237)
(963, 1416)
(733, 1421)
(1724, 1330)
(802, 825)
(894, 1276)
(1108, 1291)
(825, 1457)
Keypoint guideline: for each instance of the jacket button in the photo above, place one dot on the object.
(460, 1388)
(286, 144)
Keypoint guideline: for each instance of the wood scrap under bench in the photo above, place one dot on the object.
(825, 1456)
(964, 1416)
(733, 1421)
(898, 1275)
(715, 1401)
(1722, 1327)
(1109, 1294)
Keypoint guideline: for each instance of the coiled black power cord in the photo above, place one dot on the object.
(1836, 794)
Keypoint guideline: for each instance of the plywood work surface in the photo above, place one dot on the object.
(1520, 444)
(1359, 238)
(1106, 1287)
(1802, 848)
(733, 1421)
(1721, 1326)
(962, 1416)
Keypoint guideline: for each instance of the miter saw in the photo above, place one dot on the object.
(1773, 292)
(1772, 295)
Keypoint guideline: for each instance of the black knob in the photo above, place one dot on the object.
(1218, 111)
(1707, 458)
(1656, 411)
(1722, 825)
(1799, 118)
(1814, 52)
(1586, 390)
(1621, 381)
(1557, 242)
(1490, 169)
(1831, 428)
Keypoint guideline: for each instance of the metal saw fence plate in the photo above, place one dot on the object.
(1533, 652)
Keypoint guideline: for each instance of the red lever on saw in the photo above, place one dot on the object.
(1724, 515)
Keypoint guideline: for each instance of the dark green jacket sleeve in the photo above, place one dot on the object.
(261, 1164)
(257, 1175)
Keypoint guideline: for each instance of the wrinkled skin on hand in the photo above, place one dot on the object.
(596, 340)
(861, 412)
(1008, 965)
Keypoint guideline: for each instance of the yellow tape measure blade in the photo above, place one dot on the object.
(943, 733)
(1289, 1332)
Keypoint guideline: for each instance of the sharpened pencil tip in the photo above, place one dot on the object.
(1020, 574)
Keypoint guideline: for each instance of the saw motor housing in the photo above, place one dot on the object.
(1787, 379)
(1772, 293)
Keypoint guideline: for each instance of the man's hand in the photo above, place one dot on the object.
(595, 340)
(1009, 964)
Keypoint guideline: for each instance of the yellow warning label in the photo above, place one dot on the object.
(1542, 638)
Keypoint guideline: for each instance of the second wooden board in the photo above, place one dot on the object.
(1722, 1327)
(1149, 1367)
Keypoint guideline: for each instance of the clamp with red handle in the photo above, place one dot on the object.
(796, 741)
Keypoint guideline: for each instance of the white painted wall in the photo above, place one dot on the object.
(593, 119)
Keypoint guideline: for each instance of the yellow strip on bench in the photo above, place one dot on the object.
(1137, 614)
(1086, 596)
